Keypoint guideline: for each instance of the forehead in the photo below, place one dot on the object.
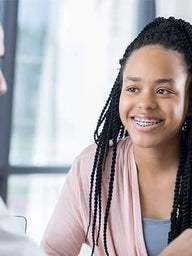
(155, 56)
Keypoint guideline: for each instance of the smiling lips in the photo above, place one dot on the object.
(146, 122)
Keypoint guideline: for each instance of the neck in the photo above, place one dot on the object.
(158, 160)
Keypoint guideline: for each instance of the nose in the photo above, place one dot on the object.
(147, 101)
(3, 84)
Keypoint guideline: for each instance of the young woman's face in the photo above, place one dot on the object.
(153, 100)
(3, 85)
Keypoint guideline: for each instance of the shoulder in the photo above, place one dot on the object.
(123, 147)
(84, 160)
(124, 144)
(87, 155)
(83, 163)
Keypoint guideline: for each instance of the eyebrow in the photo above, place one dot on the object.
(157, 81)
(165, 81)
(132, 78)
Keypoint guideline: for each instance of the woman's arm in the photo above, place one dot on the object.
(64, 234)
(66, 230)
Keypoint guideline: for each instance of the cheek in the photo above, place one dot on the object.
(179, 110)
(124, 107)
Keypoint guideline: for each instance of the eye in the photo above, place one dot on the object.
(133, 89)
(164, 91)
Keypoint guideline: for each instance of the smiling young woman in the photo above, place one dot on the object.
(153, 105)
(130, 193)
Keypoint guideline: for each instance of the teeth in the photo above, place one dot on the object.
(145, 123)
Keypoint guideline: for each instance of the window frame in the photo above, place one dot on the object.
(9, 22)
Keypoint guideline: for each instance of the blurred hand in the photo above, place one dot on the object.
(181, 246)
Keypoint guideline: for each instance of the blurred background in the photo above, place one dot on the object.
(62, 58)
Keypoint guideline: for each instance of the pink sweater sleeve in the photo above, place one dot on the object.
(65, 232)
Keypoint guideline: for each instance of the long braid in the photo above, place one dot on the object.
(97, 156)
(185, 220)
(188, 29)
(108, 135)
(115, 133)
(103, 115)
(174, 34)
(190, 178)
(91, 189)
(110, 192)
(101, 152)
(97, 192)
(100, 166)
(186, 210)
(176, 211)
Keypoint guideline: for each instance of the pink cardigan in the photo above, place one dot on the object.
(66, 229)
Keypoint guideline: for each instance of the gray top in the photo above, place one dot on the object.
(155, 235)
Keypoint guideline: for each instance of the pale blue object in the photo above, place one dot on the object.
(156, 235)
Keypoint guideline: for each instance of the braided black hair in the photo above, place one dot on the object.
(174, 34)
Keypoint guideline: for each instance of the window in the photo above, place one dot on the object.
(61, 61)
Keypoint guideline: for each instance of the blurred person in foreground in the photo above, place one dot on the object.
(13, 240)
